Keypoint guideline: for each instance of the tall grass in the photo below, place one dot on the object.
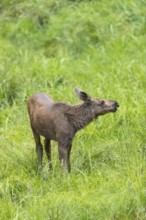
(54, 46)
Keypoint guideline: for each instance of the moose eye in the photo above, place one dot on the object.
(102, 103)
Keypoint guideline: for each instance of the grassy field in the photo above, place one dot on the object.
(54, 46)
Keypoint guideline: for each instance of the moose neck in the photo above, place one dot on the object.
(80, 115)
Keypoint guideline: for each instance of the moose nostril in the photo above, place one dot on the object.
(117, 105)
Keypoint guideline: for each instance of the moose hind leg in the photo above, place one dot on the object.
(47, 145)
(39, 148)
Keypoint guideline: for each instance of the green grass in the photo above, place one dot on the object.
(54, 46)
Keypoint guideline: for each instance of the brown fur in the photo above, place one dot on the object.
(59, 121)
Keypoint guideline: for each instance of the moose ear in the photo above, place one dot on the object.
(82, 95)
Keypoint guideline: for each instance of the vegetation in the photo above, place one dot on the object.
(54, 46)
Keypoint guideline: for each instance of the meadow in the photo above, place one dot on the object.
(54, 46)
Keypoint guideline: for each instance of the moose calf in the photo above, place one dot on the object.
(60, 121)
